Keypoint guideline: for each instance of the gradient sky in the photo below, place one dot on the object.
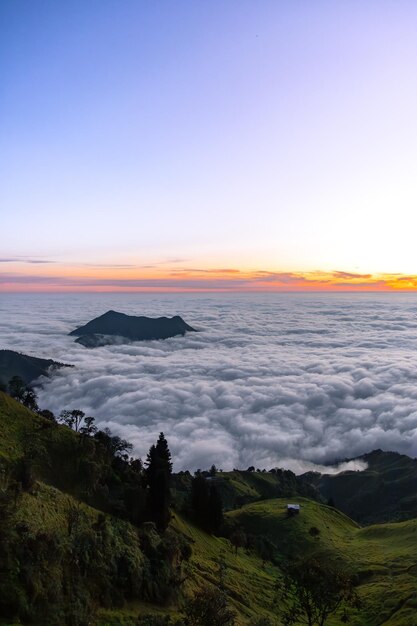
(220, 145)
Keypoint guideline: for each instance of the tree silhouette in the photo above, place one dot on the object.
(73, 418)
(158, 475)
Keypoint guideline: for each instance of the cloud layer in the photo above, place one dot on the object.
(270, 379)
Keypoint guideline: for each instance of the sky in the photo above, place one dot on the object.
(208, 146)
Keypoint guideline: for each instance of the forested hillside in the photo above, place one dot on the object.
(91, 535)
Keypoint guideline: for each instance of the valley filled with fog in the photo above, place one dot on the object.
(268, 380)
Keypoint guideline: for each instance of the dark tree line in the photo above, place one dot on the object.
(97, 465)
(120, 562)
(206, 503)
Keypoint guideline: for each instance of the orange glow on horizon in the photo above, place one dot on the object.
(61, 278)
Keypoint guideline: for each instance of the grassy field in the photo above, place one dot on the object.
(382, 557)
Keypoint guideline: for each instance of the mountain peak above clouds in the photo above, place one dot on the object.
(133, 328)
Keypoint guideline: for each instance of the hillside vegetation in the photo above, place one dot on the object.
(383, 558)
(385, 491)
(75, 558)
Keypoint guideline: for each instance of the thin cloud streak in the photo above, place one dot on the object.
(25, 260)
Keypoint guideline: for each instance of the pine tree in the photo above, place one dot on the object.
(163, 453)
(158, 475)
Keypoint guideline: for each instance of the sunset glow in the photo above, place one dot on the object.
(23, 277)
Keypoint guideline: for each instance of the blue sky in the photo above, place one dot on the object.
(259, 136)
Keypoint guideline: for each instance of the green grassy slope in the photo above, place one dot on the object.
(15, 422)
(45, 509)
(248, 583)
(291, 535)
(383, 558)
(45, 513)
(21, 429)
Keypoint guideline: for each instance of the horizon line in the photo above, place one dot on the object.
(205, 291)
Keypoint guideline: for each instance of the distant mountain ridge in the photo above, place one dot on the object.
(135, 328)
(28, 368)
(385, 491)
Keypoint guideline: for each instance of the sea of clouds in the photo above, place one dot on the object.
(287, 380)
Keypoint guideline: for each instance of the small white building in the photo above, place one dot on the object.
(293, 509)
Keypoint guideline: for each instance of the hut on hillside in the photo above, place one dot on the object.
(293, 509)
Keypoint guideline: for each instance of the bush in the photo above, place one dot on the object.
(209, 608)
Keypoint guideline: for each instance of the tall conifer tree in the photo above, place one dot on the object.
(158, 476)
